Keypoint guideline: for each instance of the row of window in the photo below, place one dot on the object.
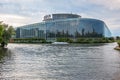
(65, 28)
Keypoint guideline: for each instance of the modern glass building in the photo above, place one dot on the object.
(64, 26)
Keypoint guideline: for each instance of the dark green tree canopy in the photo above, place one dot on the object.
(6, 32)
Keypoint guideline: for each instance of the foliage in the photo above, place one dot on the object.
(64, 40)
(117, 38)
(11, 30)
(1, 29)
(1, 32)
(118, 42)
(6, 32)
(95, 40)
(69, 40)
(29, 40)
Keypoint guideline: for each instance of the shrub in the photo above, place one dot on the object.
(64, 40)
(80, 40)
(118, 42)
(30, 40)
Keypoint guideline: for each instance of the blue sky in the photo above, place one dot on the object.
(22, 12)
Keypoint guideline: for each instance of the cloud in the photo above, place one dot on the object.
(15, 20)
(110, 4)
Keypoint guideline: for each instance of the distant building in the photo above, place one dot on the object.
(64, 25)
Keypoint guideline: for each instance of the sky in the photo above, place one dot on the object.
(22, 12)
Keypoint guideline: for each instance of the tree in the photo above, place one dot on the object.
(6, 32)
(1, 32)
(6, 35)
(117, 37)
(118, 42)
(11, 30)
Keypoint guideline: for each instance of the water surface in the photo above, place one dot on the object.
(58, 62)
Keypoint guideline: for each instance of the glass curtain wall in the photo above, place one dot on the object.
(65, 28)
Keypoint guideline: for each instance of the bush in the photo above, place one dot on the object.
(0, 39)
(30, 40)
(118, 42)
(64, 40)
(70, 41)
(80, 40)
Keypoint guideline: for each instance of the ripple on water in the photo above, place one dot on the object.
(56, 62)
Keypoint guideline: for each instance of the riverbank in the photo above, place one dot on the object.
(117, 48)
(3, 52)
(69, 40)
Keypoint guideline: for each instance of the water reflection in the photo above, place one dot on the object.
(56, 62)
(4, 52)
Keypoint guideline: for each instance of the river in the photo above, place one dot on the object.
(59, 62)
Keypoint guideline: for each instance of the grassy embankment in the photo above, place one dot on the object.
(69, 40)
(117, 47)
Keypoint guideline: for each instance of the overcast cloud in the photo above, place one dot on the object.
(22, 12)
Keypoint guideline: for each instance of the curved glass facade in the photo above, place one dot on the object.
(68, 28)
